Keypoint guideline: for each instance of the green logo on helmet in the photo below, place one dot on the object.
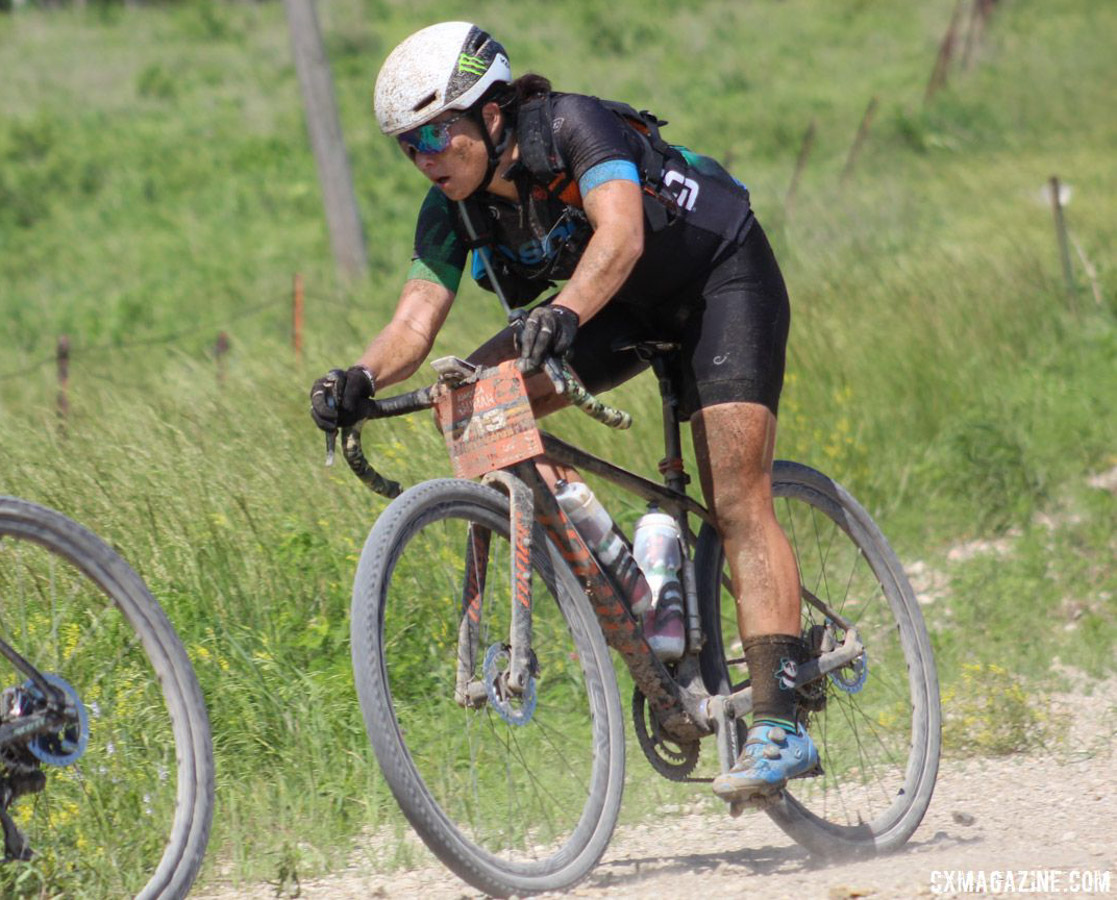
(473, 65)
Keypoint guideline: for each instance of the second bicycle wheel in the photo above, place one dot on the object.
(119, 803)
(517, 796)
(876, 723)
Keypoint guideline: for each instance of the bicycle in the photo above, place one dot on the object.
(496, 717)
(106, 760)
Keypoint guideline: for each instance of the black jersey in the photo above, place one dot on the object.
(695, 214)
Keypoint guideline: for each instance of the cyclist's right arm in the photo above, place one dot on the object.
(432, 282)
(400, 348)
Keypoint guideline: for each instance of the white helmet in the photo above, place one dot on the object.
(446, 66)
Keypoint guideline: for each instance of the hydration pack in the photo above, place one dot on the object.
(541, 159)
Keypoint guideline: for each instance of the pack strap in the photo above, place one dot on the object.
(536, 138)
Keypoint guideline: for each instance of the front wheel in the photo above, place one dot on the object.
(517, 793)
(118, 801)
(876, 722)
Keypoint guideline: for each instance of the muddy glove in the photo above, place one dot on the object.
(548, 331)
(338, 398)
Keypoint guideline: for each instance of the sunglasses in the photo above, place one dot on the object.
(434, 137)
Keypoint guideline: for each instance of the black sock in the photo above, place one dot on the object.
(773, 661)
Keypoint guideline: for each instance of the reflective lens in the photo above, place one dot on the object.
(434, 137)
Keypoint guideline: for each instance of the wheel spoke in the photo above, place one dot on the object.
(866, 728)
(129, 801)
(522, 796)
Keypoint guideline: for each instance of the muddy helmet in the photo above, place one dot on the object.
(450, 65)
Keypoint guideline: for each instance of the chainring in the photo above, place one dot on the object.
(671, 759)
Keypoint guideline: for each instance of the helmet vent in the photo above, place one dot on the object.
(426, 101)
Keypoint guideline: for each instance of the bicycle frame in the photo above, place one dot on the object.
(680, 702)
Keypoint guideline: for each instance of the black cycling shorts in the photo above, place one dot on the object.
(732, 328)
(733, 332)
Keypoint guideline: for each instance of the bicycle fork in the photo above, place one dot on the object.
(498, 686)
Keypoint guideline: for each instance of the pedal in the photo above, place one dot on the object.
(759, 802)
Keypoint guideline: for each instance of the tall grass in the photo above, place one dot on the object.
(156, 188)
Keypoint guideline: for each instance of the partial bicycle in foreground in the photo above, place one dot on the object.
(106, 760)
(482, 626)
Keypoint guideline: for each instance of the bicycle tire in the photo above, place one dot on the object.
(445, 787)
(895, 707)
(33, 541)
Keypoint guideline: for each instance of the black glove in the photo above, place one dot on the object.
(548, 331)
(337, 399)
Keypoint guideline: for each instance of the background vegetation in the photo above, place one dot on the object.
(157, 188)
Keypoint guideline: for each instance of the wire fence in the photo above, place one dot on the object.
(170, 338)
(66, 352)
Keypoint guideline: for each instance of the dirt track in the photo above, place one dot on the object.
(1050, 821)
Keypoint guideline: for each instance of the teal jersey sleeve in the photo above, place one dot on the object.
(439, 254)
(611, 170)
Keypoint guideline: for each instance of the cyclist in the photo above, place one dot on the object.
(651, 241)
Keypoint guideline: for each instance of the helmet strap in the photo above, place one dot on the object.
(496, 150)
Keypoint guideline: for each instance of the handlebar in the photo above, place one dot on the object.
(562, 378)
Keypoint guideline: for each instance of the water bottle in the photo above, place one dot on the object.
(657, 546)
(596, 528)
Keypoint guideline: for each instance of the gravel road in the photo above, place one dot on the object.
(1049, 822)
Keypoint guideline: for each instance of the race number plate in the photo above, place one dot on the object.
(488, 424)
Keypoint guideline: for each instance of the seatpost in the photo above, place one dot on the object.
(671, 467)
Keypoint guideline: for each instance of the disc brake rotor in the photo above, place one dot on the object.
(65, 746)
(513, 708)
(851, 678)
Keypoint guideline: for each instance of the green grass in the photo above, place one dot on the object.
(157, 188)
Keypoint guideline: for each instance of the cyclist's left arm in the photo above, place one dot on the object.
(599, 154)
(615, 210)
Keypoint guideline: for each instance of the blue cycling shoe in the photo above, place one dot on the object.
(772, 756)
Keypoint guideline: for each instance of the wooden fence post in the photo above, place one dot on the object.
(62, 357)
(946, 53)
(800, 165)
(979, 18)
(297, 318)
(862, 132)
(220, 351)
(326, 140)
(1061, 234)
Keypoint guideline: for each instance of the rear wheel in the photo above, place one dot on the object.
(877, 721)
(515, 793)
(118, 802)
